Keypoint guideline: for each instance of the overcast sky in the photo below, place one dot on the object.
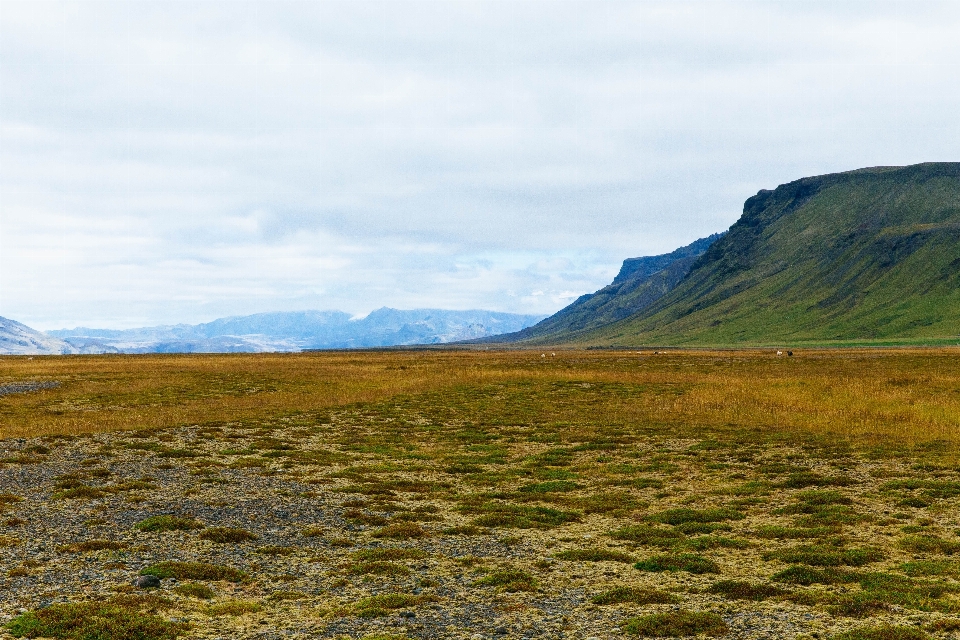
(168, 162)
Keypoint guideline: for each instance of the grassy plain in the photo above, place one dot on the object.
(898, 396)
(499, 494)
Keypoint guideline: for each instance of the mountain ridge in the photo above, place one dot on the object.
(866, 255)
(640, 283)
(297, 330)
(19, 339)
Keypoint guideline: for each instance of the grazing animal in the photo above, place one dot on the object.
(779, 353)
(789, 353)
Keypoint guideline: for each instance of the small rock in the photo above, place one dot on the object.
(502, 631)
(146, 582)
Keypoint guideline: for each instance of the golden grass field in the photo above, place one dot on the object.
(434, 494)
(904, 395)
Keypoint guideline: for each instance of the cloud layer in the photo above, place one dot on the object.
(166, 162)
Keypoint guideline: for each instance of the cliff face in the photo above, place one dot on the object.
(870, 255)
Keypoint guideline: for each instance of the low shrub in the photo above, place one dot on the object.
(676, 624)
(168, 523)
(195, 590)
(741, 590)
(689, 562)
(193, 571)
(115, 618)
(928, 544)
(634, 595)
(511, 580)
(91, 545)
(684, 515)
(885, 632)
(826, 556)
(381, 605)
(808, 575)
(650, 536)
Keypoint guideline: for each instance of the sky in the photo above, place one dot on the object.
(165, 162)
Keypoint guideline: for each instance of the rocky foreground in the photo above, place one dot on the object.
(412, 521)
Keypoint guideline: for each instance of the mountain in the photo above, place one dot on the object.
(640, 283)
(19, 339)
(865, 256)
(295, 331)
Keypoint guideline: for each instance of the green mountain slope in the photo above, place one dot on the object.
(640, 283)
(867, 255)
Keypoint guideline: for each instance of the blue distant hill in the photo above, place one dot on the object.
(299, 330)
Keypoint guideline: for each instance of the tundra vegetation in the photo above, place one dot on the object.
(493, 494)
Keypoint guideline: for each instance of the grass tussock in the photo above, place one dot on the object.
(634, 595)
(168, 523)
(193, 571)
(91, 545)
(510, 580)
(119, 617)
(384, 604)
(743, 590)
(676, 624)
(884, 632)
(689, 562)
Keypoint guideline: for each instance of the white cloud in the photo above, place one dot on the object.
(164, 162)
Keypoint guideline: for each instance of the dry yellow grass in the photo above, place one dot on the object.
(908, 396)
(497, 492)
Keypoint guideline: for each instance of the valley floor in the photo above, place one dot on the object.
(601, 496)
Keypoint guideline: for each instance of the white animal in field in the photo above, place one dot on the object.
(543, 355)
(779, 353)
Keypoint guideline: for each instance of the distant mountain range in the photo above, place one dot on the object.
(20, 340)
(870, 256)
(294, 331)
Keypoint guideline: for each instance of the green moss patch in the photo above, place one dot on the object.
(168, 523)
(91, 545)
(381, 605)
(741, 590)
(120, 618)
(689, 562)
(676, 624)
(884, 632)
(826, 556)
(511, 580)
(633, 595)
(650, 536)
(193, 571)
(683, 516)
